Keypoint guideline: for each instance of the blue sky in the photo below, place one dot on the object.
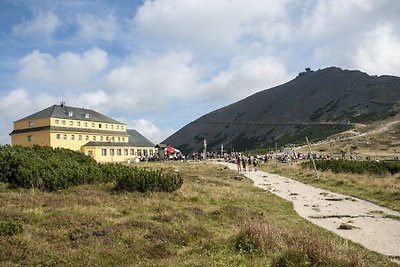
(158, 65)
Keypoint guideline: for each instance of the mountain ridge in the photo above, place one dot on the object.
(325, 101)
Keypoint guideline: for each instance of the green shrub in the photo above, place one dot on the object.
(142, 180)
(10, 227)
(54, 169)
(46, 168)
(359, 167)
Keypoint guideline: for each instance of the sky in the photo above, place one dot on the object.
(158, 65)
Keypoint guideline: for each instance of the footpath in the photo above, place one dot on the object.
(372, 226)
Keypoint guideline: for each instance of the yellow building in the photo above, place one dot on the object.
(88, 131)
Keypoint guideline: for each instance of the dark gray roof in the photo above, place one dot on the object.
(138, 140)
(62, 111)
(66, 129)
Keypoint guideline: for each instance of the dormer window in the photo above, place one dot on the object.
(30, 124)
(87, 116)
(70, 114)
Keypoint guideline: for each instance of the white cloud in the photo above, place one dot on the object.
(247, 76)
(149, 130)
(68, 71)
(379, 52)
(17, 104)
(97, 28)
(217, 25)
(153, 79)
(43, 24)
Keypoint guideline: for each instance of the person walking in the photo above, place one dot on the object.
(238, 164)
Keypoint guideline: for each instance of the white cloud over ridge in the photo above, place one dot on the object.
(379, 52)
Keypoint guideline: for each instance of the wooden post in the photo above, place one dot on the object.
(312, 158)
(276, 156)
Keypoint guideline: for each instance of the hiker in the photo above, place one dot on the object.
(255, 164)
(249, 163)
(239, 169)
(244, 163)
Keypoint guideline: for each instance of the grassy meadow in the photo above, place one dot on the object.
(215, 219)
(380, 189)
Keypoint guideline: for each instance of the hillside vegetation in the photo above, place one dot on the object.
(217, 218)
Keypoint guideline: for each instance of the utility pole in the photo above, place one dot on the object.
(312, 158)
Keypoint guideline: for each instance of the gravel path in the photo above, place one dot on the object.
(374, 227)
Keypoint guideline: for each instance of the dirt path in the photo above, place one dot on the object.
(374, 227)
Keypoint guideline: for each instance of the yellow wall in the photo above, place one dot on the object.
(71, 123)
(96, 153)
(35, 123)
(75, 143)
(41, 138)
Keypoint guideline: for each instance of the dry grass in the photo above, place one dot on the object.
(194, 226)
(380, 189)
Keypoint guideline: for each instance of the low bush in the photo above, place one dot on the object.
(10, 227)
(46, 168)
(54, 169)
(358, 167)
(142, 180)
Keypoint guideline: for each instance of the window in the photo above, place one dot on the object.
(65, 137)
(72, 137)
(118, 152)
(112, 152)
(29, 138)
(92, 124)
(117, 127)
(78, 123)
(79, 137)
(87, 137)
(99, 125)
(113, 139)
(90, 152)
(139, 152)
(151, 152)
(145, 152)
(58, 136)
(104, 152)
(126, 152)
(119, 139)
(71, 123)
(131, 152)
(122, 127)
(123, 139)
(30, 124)
(101, 138)
(56, 121)
(106, 126)
(85, 124)
(70, 114)
(63, 122)
(94, 138)
(107, 138)
(112, 126)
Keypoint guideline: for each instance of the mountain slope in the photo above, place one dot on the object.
(314, 104)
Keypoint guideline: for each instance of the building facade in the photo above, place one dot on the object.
(85, 130)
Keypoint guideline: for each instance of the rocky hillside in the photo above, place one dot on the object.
(316, 104)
